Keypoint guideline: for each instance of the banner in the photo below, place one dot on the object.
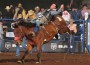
(9, 34)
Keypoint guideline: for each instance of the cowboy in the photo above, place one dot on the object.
(7, 13)
(19, 12)
(37, 10)
(53, 10)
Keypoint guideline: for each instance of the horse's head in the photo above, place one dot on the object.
(17, 32)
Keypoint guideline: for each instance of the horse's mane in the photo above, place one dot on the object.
(15, 25)
(26, 24)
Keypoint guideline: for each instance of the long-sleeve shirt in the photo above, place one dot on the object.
(1, 31)
(53, 12)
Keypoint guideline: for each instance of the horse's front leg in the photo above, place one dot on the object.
(28, 49)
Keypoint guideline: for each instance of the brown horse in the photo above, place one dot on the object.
(44, 34)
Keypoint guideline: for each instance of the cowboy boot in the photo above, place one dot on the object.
(20, 61)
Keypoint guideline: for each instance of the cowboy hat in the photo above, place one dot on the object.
(7, 7)
(31, 12)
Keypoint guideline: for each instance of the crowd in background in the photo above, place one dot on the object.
(20, 12)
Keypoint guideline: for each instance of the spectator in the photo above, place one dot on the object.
(76, 14)
(19, 12)
(68, 8)
(12, 10)
(1, 35)
(7, 13)
(42, 10)
(84, 10)
(66, 16)
(0, 14)
(37, 10)
(73, 29)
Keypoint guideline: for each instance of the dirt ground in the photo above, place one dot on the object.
(9, 58)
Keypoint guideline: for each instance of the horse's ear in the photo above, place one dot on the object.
(14, 25)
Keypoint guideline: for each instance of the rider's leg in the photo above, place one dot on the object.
(28, 49)
(17, 50)
(24, 42)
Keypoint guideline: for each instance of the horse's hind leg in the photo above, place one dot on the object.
(28, 49)
(39, 54)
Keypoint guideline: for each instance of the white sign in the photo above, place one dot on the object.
(7, 45)
(9, 34)
(53, 46)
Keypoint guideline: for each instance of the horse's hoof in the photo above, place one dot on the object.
(20, 61)
(38, 62)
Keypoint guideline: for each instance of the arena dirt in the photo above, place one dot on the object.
(9, 58)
